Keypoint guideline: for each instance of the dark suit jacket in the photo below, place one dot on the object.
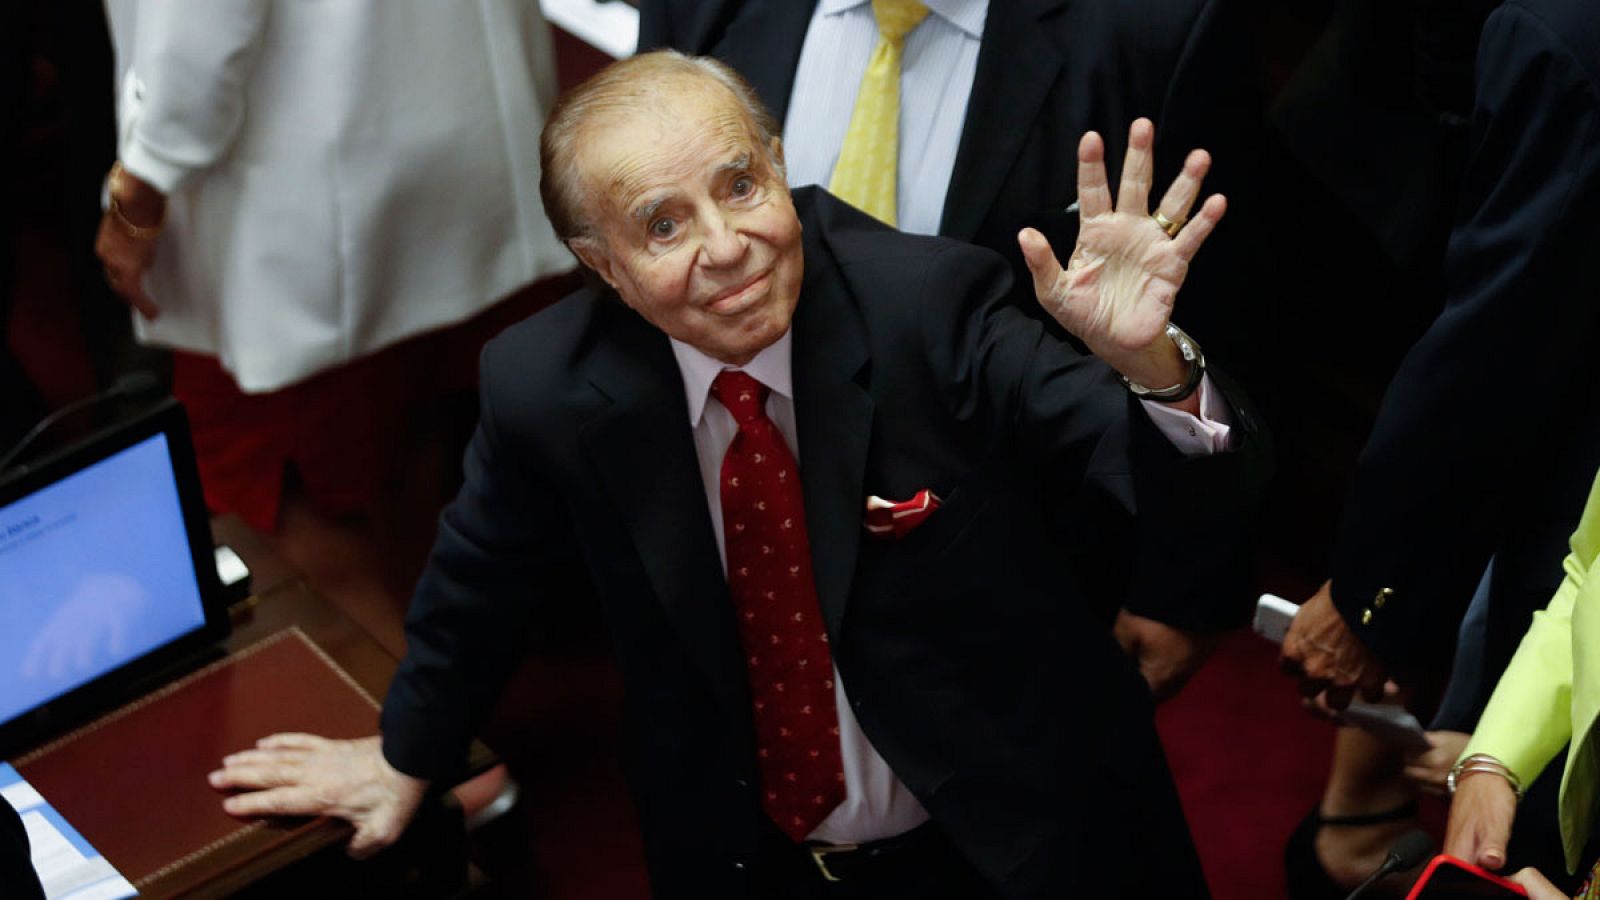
(1490, 433)
(983, 673)
(1049, 70)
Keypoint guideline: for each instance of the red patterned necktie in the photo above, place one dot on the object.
(780, 623)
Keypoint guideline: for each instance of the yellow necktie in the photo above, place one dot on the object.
(867, 172)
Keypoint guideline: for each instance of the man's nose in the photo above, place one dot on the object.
(724, 244)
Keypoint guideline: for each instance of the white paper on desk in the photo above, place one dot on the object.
(69, 868)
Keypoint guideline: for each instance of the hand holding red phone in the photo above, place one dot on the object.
(1480, 820)
(1537, 886)
(1448, 878)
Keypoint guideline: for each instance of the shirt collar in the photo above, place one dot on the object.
(770, 367)
(967, 15)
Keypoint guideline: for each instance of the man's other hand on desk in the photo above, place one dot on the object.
(305, 775)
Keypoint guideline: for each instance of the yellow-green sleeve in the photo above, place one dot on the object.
(1529, 717)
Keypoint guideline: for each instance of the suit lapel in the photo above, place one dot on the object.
(643, 450)
(1017, 64)
(763, 43)
(834, 415)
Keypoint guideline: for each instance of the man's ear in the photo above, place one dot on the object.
(777, 152)
(592, 253)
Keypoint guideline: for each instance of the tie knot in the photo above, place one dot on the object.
(744, 396)
(896, 18)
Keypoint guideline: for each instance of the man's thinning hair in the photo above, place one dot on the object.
(628, 85)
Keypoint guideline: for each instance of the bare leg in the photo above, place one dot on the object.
(1365, 778)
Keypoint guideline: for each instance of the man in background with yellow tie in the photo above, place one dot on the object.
(959, 118)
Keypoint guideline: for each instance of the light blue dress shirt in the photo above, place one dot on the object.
(941, 57)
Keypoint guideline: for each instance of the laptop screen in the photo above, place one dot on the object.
(106, 575)
(95, 572)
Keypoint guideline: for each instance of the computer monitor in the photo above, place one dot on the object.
(107, 577)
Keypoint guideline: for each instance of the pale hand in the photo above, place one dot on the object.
(306, 775)
(1167, 656)
(1117, 290)
(127, 258)
(1481, 813)
(1327, 656)
(1537, 886)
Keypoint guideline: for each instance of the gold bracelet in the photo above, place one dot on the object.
(137, 232)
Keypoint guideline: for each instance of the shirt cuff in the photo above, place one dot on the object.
(1210, 432)
(151, 168)
(139, 158)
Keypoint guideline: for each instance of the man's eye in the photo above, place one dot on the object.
(662, 228)
(743, 185)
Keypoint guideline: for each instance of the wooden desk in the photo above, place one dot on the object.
(133, 782)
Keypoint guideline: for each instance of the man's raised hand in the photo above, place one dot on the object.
(306, 775)
(1117, 290)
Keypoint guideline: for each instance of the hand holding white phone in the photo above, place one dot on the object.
(1388, 721)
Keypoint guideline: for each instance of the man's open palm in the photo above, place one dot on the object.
(1117, 290)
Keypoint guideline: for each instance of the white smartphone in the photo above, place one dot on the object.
(1273, 615)
(1388, 721)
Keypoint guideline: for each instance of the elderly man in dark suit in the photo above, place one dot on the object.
(990, 97)
(812, 468)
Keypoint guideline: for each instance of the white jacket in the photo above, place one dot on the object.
(342, 174)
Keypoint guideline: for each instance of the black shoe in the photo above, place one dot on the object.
(1307, 879)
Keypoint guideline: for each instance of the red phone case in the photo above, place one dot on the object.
(1445, 861)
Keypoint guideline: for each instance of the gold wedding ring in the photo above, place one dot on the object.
(1170, 227)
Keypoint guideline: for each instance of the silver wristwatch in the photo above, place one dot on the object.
(1197, 369)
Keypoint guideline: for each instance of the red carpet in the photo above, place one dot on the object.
(1249, 764)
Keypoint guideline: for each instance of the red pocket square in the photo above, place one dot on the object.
(887, 519)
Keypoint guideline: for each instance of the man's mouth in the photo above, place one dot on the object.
(739, 297)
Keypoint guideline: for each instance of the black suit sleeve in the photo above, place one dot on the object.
(1479, 401)
(502, 545)
(16, 864)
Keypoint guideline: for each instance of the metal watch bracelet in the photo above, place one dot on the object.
(1190, 349)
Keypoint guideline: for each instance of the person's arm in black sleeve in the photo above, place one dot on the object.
(1478, 399)
(501, 543)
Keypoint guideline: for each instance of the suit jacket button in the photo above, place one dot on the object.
(1366, 617)
(741, 783)
(1382, 598)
